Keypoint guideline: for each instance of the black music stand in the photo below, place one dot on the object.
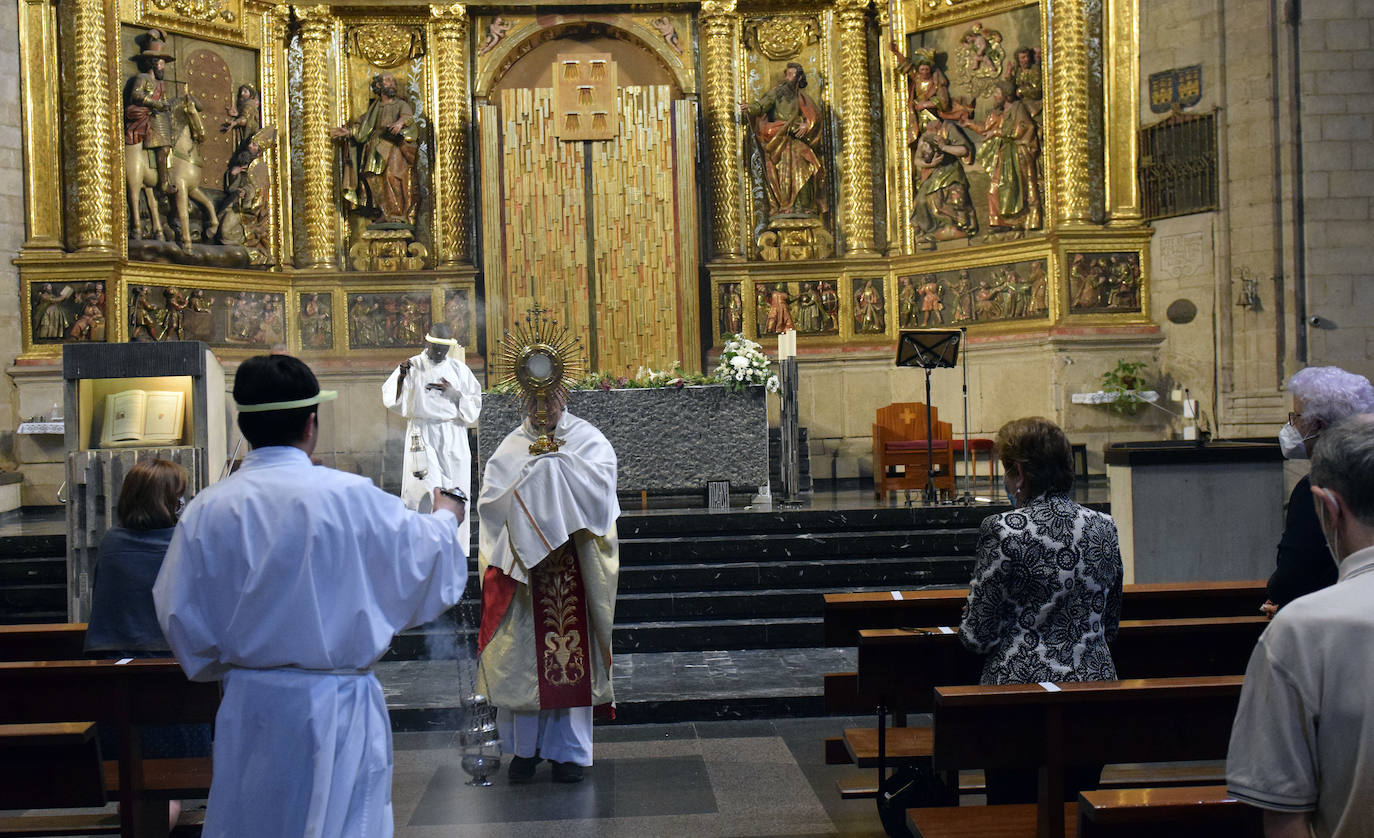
(929, 349)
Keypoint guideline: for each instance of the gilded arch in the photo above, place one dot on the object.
(530, 32)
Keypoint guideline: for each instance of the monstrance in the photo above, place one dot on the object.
(540, 357)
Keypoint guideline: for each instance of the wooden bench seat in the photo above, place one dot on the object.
(900, 669)
(847, 613)
(43, 642)
(125, 696)
(49, 765)
(903, 744)
(1020, 726)
(982, 821)
(1179, 812)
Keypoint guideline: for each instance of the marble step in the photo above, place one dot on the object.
(33, 570)
(635, 524)
(766, 546)
(836, 574)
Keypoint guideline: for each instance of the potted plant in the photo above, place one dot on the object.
(1125, 381)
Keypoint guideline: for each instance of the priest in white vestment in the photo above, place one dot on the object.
(441, 398)
(549, 565)
(287, 581)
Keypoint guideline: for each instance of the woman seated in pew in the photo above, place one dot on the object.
(1045, 598)
(123, 622)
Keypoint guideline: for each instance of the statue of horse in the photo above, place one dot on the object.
(188, 126)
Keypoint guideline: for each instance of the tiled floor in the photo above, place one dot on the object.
(748, 778)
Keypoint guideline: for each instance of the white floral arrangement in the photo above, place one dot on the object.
(743, 363)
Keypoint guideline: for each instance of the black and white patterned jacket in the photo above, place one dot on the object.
(1045, 599)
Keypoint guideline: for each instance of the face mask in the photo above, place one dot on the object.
(1292, 443)
(1011, 495)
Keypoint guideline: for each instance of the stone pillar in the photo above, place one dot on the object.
(91, 115)
(452, 207)
(722, 137)
(1069, 80)
(856, 161)
(321, 230)
(1121, 78)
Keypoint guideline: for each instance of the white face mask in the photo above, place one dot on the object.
(1332, 537)
(1292, 443)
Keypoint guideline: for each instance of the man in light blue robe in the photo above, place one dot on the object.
(288, 581)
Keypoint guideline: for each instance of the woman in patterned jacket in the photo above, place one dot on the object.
(1045, 598)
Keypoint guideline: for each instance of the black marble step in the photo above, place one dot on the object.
(634, 524)
(717, 605)
(797, 545)
(22, 546)
(30, 571)
(836, 574)
(674, 636)
(25, 603)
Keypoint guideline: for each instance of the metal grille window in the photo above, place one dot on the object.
(1178, 166)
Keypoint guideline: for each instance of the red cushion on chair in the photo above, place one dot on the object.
(916, 445)
(974, 445)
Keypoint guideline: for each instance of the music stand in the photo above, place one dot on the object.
(929, 349)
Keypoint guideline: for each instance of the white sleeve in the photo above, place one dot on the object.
(186, 619)
(1271, 762)
(467, 396)
(389, 398)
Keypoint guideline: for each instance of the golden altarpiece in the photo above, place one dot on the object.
(661, 175)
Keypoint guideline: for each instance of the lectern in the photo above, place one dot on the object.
(929, 349)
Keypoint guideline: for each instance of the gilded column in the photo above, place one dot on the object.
(1069, 78)
(40, 86)
(856, 161)
(1122, 119)
(317, 29)
(452, 207)
(91, 115)
(722, 137)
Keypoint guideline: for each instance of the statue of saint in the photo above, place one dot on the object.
(932, 304)
(779, 312)
(868, 309)
(1010, 154)
(942, 209)
(147, 105)
(245, 118)
(379, 158)
(787, 125)
(1026, 78)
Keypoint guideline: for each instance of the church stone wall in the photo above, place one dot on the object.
(11, 222)
(1235, 358)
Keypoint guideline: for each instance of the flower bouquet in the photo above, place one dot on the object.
(744, 364)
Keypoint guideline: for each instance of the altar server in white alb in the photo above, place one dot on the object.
(441, 398)
(549, 564)
(287, 581)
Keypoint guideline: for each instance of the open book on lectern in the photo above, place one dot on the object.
(928, 348)
(142, 418)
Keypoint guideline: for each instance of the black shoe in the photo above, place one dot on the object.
(567, 772)
(522, 769)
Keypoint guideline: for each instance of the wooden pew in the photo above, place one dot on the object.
(899, 669)
(1031, 726)
(123, 696)
(847, 613)
(1181, 812)
(43, 642)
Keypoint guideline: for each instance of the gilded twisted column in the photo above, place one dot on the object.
(1069, 78)
(91, 114)
(317, 29)
(452, 208)
(856, 161)
(718, 101)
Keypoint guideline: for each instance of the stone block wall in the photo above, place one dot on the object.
(1292, 213)
(11, 224)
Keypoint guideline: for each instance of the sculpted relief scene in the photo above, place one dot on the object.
(336, 179)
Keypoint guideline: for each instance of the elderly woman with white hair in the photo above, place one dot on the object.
(1322, 396)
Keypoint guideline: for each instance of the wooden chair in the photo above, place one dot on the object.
(899, 439)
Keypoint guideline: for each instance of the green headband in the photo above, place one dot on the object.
(322, 396)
